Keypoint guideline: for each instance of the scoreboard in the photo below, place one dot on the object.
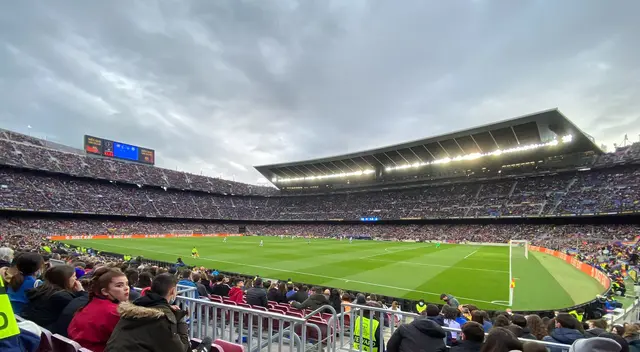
(117, 150)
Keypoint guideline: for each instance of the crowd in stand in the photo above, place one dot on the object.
(25, 151)
(609, 190)
(91, 300)
(114, 187)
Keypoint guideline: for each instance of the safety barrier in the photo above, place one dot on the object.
(388, 321)
(629, 315)
(258, 328)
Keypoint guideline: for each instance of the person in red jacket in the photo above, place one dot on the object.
(92, 326)
(237, 292)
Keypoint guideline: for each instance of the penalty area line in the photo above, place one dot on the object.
(315, 275)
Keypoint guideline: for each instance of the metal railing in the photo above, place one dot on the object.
(259, 329)
(388, 320)
(630, 315)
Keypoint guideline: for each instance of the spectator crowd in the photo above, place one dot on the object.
(40, 178)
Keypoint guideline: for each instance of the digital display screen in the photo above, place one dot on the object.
(125, 151)
(118, 150)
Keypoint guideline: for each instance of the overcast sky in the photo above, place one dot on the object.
(220, 86)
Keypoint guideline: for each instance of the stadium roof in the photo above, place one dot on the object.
(531, 131)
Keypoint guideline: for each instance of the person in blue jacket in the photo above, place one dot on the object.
(28, 265)
(565, 331)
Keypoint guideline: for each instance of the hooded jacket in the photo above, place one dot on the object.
(595, 332)
(92, 326)
(18, 297)
(46, 305)
(422, 335)
(314, 302)
(149, 324)
(235, 294)
(563, 335)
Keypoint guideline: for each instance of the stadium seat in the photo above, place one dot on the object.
(63, 344)
(46, 343)
(229, 346)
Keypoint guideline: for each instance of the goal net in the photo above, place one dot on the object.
(182, 232)
(519, 249)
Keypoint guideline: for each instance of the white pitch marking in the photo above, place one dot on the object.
(391, 252)
(316, 275)
(470, 254)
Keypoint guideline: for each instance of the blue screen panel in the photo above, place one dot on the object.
(125, 151)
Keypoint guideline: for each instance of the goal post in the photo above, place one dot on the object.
(517, 249)
(181, 232)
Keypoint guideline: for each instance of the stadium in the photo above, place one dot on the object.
(526, 215)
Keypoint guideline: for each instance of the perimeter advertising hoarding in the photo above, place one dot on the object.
(109, 237)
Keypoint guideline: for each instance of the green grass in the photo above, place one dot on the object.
(474, 274)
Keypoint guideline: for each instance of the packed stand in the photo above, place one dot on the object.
(153, 191)
(28, 152)
(605, 191)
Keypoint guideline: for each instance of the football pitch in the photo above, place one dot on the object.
(476, 275)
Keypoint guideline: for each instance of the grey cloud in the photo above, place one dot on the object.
(219, 86)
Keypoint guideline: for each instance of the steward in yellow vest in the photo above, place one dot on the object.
(421, 306)
(370, 329)
(578, 314)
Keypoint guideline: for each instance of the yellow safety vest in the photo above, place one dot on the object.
(420, 308)
(577, 315)
(369, 328)
(8, 325)
(46, 249)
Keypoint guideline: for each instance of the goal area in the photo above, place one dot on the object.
(518, 249)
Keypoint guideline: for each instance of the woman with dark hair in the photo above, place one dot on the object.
(272, 293)
(481, 317)
(277, 292)
(92, 326)
(47, 302)
(536, 326)
(335, 299)
(501, 322)
(282, 290)
(144, 280)
(501, 340)
(618, 330)
(27, 267)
